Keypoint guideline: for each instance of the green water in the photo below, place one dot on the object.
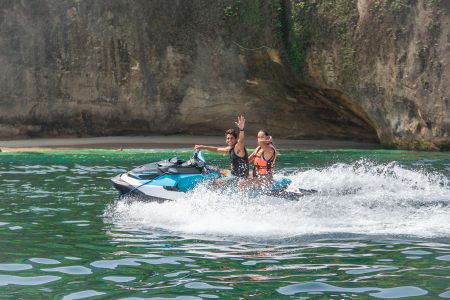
(378, 228)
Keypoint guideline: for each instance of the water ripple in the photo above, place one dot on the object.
(82, 295)
(206, 286)
(74, 270)
(112, 264)
(445, 294)
(396, 292)
(44, 261)
(164, 298)
(444, 257)
(15, 267)
(366, 270)
(119, 278)
(31, 280)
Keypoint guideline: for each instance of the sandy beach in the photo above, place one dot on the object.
(165, 142)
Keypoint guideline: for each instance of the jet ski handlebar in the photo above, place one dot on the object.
(198, 156)
(195, 154)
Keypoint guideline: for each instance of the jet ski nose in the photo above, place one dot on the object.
(122, 186)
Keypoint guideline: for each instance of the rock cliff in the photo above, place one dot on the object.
(391, 58)
(361, 70)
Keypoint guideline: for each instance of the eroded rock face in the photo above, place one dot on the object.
(75, 67)
(392, 58)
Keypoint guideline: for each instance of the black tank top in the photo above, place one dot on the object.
(239, 165)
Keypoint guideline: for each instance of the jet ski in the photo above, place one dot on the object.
(170, 179)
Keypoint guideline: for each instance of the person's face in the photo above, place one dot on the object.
(262, 138)
(230, 140)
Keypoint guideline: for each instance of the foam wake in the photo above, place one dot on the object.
(358, 198)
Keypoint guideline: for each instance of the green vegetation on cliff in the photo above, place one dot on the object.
(296, 24)
(393, 5)
(303, 23)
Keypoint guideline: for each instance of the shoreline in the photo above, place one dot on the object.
(166, 142)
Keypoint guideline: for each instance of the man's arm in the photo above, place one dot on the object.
(240, 146)
(213, 149)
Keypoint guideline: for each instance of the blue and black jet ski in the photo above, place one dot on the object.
(170, 179)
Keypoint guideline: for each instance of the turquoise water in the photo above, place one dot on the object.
(379, 228)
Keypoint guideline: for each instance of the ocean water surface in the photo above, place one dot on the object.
(378, 228)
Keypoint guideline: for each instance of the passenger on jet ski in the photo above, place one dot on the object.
(264, 156)
(235, 149)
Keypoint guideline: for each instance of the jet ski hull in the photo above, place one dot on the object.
(129, 186)
(171, 179)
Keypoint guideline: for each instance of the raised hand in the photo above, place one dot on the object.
(240, 122)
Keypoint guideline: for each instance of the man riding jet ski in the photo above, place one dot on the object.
(170, 179)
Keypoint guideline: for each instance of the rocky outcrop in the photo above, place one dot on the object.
(388, 57)
(92, 68)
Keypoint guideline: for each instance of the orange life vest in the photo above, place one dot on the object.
(261, 166)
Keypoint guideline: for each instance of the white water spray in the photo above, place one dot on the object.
(358, 198)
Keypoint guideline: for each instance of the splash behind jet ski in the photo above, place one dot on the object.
(170, 179)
